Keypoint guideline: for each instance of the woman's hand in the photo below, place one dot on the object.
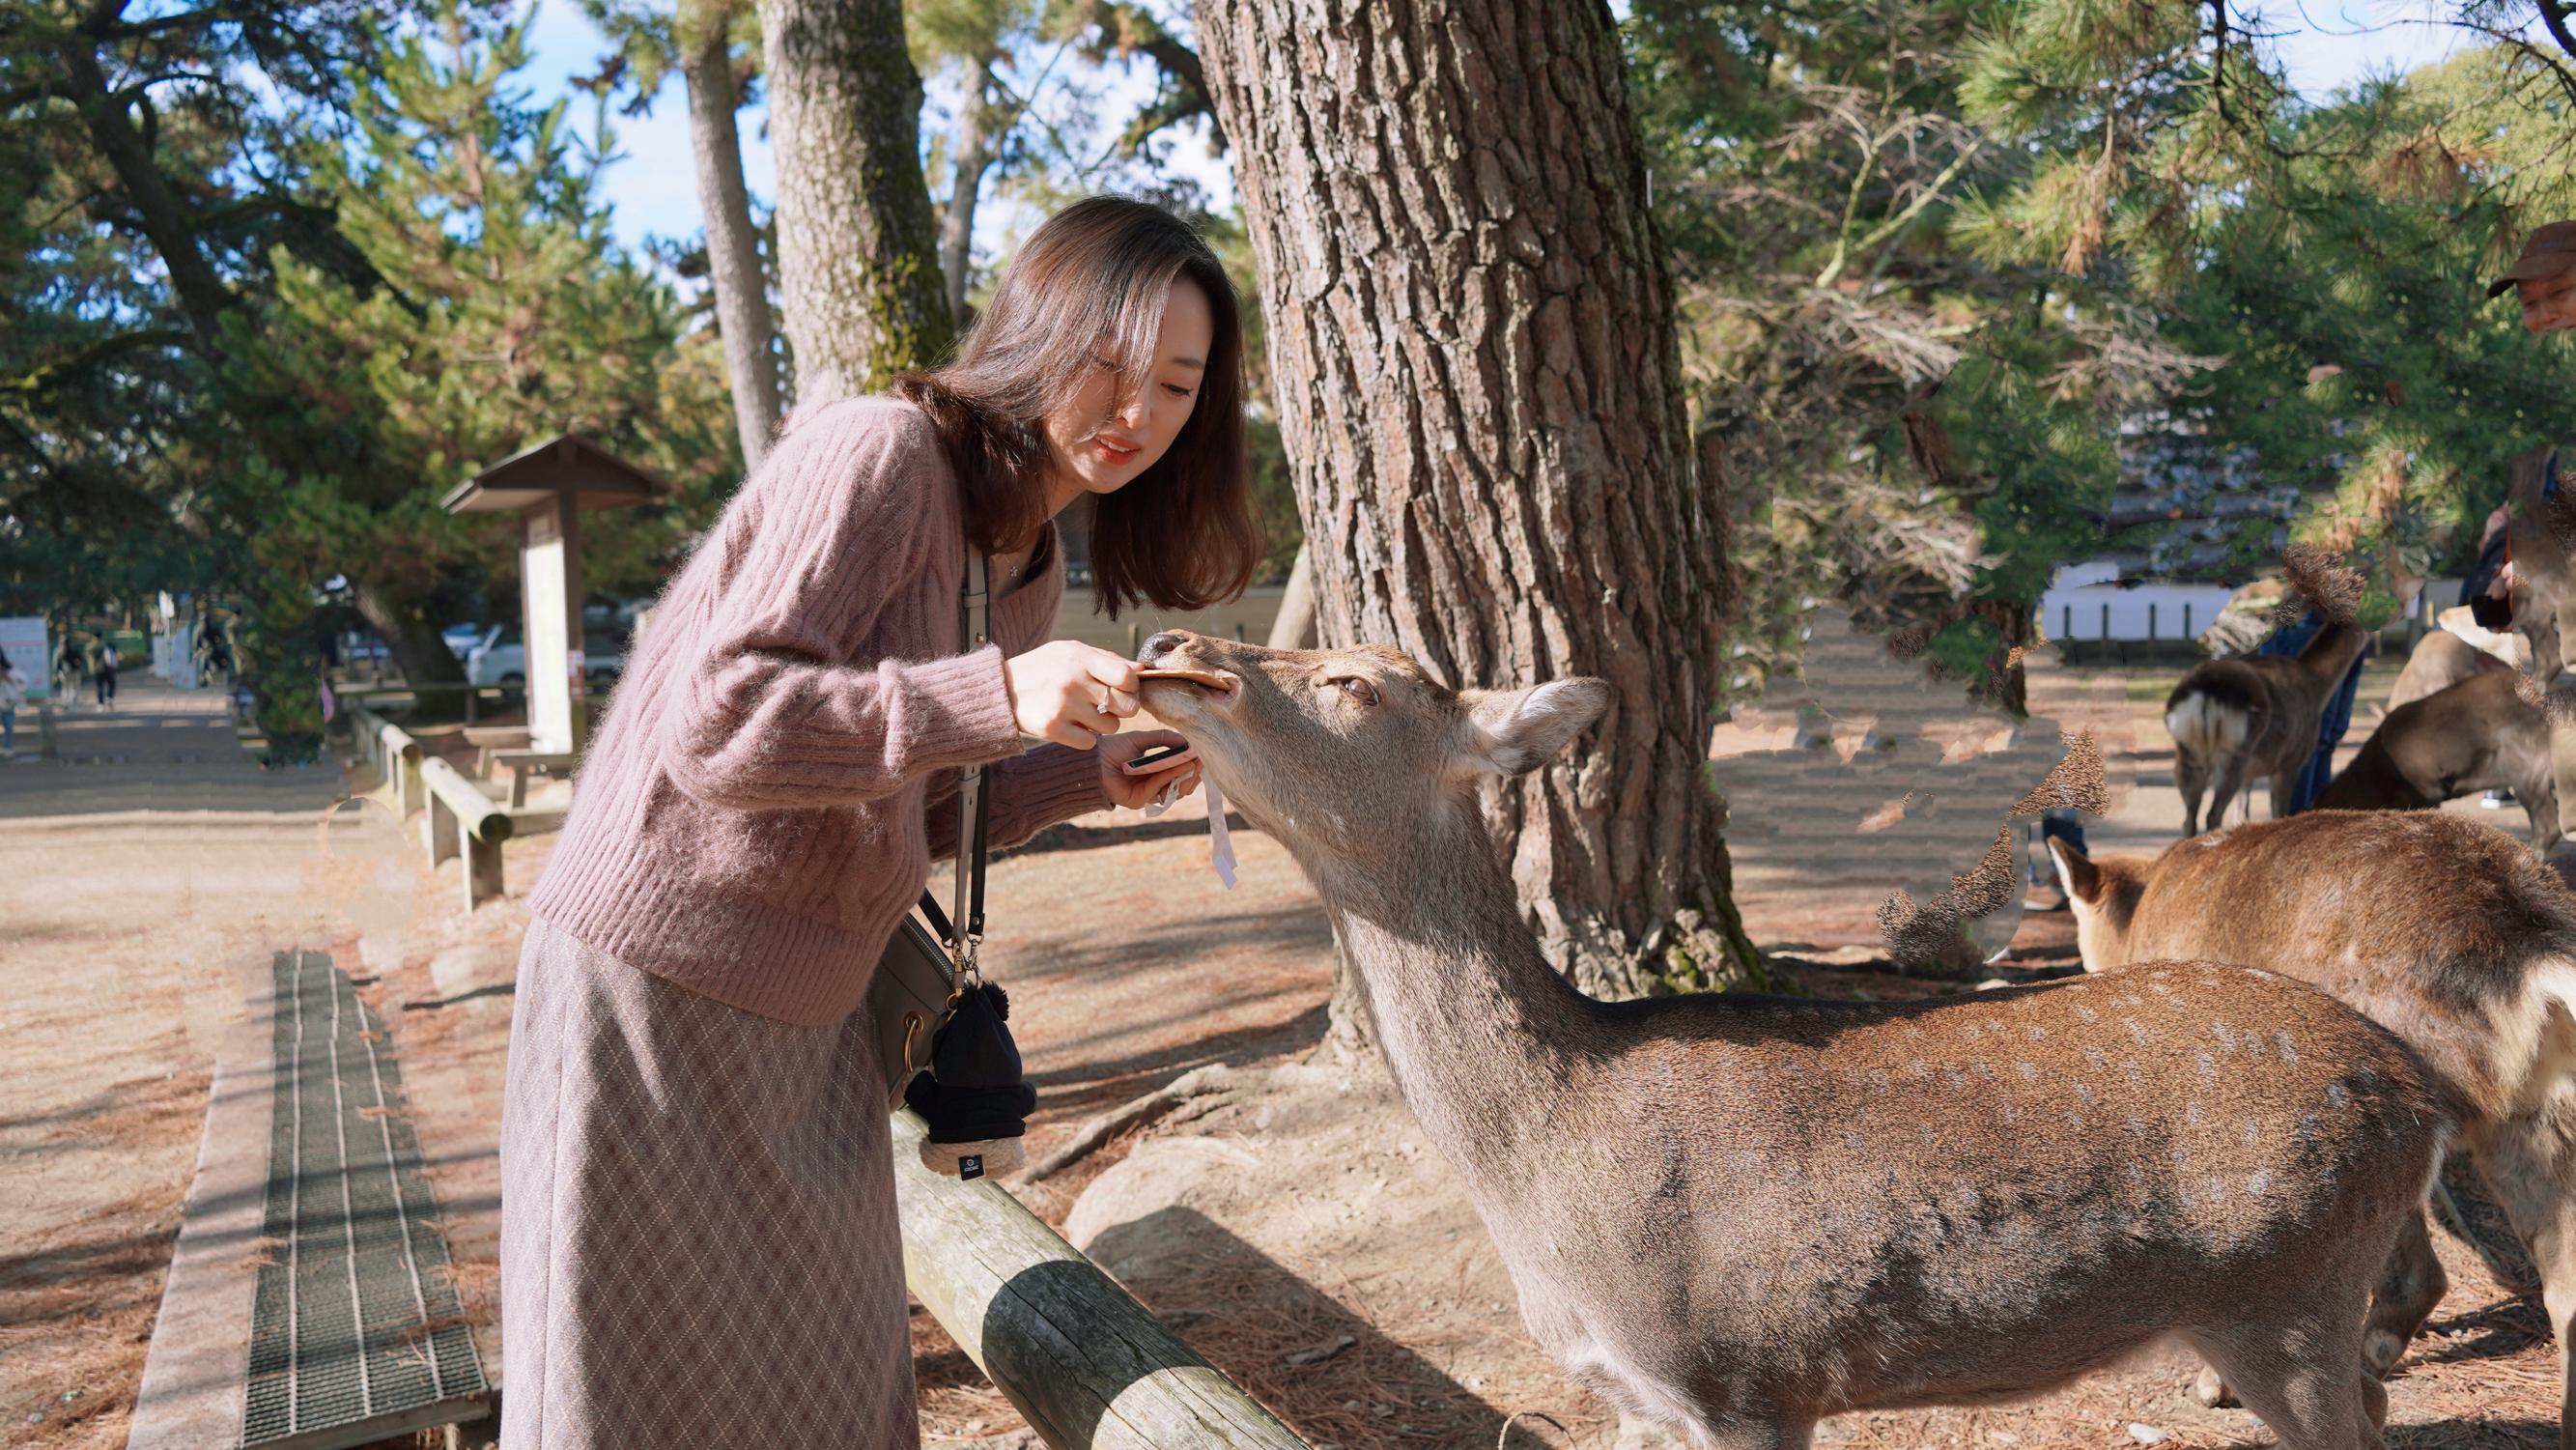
(1070, 692)
(1135, 792)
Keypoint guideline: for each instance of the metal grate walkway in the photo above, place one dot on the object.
(356, 1333)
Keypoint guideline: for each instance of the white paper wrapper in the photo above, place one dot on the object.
(1220, 845)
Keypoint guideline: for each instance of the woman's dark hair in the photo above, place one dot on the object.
(1094, 277)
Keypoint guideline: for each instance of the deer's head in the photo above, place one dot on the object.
(1352, 751)
(2104, 895)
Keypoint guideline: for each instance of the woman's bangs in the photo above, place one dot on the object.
(1139, 326)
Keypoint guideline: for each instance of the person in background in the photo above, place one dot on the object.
(104, 674)
(2543, 278)
(2057, 823)
(2488, 589)
(2543, 281)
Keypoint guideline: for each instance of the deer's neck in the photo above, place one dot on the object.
(1484, 1039)
(2332, 652)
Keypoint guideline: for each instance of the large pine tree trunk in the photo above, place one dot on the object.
(1473, 356)
(858, 264)
(974, 158)
(733, 248)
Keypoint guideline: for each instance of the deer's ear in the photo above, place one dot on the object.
(2083, 879)
(1513, 731)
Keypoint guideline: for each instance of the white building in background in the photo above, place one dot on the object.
(2087, 602)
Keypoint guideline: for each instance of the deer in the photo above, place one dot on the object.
(2440, 660)
(2473, 736)
(1735, 1215)
(2243, 719)
(2441, 929)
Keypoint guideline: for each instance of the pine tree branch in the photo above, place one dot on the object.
(2554, 16)
(43, 378)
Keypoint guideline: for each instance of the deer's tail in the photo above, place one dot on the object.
(2208, 720)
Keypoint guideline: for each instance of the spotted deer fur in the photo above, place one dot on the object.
(1736, 1215)
(2443, 930)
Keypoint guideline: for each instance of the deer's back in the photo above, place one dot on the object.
(1834, 1189)
(2484, 710)
(2255, 687)
(2437, 927)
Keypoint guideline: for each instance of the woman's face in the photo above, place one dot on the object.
(1096, 444)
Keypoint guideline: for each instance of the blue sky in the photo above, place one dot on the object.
(655, 189)
(2325, 44)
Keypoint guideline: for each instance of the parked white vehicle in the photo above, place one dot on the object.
(501, 658)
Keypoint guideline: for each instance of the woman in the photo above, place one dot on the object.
(698, 1239)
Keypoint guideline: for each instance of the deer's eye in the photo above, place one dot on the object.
(1358, 689)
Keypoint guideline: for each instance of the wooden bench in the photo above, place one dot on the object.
(524, 763)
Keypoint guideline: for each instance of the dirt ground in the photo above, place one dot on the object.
(1305, 1239)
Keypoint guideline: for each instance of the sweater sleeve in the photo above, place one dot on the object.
(1048, 786)
(837, 529)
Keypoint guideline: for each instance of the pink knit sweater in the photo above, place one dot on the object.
(761, 804)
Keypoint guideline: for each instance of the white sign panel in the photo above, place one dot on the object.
(549, 698)
(24, 640)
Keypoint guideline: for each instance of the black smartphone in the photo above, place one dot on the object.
(1161, 757)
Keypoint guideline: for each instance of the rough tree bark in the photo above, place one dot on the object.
(1473, 356)
(974, 158)
(858, 265)
(733, 248)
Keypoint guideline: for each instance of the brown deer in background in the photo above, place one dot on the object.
(2445, 931)
(2236, 721)
(1736, 1215)
(2441, 659)
(2476, 735)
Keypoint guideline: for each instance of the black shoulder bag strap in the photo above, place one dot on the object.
(965, 927)
(974, 1101)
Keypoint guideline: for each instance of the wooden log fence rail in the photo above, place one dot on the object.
(394, 756)
(464, 824)
(1089, 1367)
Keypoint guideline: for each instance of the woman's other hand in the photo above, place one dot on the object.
(1070, 692)
(1135, 792)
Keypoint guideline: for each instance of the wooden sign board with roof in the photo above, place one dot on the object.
(548, 487)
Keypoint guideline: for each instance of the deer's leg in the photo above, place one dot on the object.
(2285, 789)
(2235, 772)
(2538, 793)
(2191, 777)
(1744, 1436)
(2529, 1164)
(2302, 1374)
(2412, 1285)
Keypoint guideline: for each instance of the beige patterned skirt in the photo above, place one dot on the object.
(698, 1238)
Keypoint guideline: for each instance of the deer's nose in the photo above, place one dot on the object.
(1162, 644)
